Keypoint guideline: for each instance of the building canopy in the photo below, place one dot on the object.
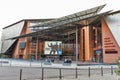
(60, 28)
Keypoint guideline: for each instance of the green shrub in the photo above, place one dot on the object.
(118, 64)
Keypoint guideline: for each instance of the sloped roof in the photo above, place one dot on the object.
(59, 31)
(71, 18)
(42, 20)
(60, 26)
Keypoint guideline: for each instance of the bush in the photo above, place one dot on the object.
(118, 64)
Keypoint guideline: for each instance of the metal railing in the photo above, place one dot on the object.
(30, 73)
(13, 69)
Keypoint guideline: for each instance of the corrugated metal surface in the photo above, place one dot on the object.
(113, 22)
(9, 32)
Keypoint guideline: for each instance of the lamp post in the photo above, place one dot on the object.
(36, 48)
(76, 46)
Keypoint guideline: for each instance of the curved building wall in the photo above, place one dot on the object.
(9, 32)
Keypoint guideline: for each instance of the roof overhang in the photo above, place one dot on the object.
(65, 25)
(71, 18)
(38, 33)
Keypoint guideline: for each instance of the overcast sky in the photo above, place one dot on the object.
(12, 11)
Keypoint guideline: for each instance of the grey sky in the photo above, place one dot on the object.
(12, 11)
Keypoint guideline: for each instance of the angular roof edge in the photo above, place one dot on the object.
(27, 20)
(12, 24)
(97, 10)
(88, 12)
(115, 12)
(45, 30)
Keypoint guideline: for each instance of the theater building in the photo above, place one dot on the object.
(87, 36)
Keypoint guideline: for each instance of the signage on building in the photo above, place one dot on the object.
(109, 46)
(53, 48)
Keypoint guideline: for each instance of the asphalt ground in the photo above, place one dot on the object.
(33, 73)
(27, 70)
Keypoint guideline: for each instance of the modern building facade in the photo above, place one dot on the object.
(86, 36)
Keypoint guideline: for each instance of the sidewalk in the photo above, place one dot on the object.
(95, 77)
(24, 63)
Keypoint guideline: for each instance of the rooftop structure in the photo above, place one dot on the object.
(85, 35)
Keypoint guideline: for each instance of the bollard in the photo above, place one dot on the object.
(10, 62)
(60, 73)
(30, 63)
(1, 62)
(89, 72)
(111, 70)
(101, 71)
(76, 73)
(20, 74)
(42, 73)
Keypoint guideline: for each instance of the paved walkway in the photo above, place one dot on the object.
(32, 71)
(95, 77)
(24, 63)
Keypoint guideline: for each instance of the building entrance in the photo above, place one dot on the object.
(90, 43)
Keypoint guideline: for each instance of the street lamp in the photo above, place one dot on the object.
(76, 45)
(36, 48)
